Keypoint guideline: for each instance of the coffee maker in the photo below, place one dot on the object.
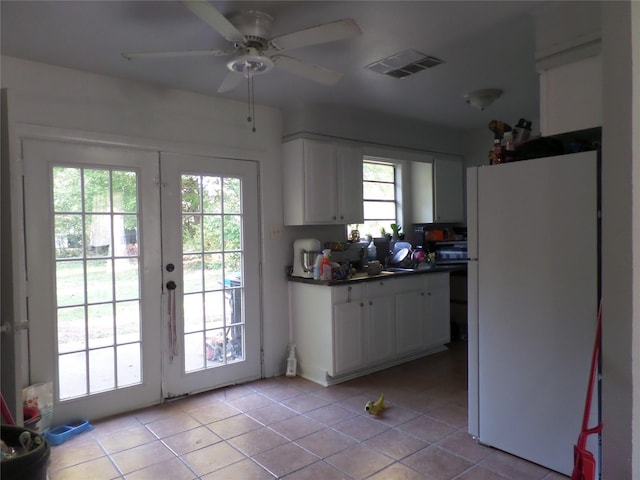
(305, 251)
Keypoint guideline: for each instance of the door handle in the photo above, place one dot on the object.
(171, 285)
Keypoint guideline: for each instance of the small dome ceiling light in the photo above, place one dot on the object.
(481, 99)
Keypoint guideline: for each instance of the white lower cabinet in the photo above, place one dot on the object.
(363, 329)
(438, 310)
(344, 331)
(380, 322)
(348, 334)
(410, 314)
(422, 313)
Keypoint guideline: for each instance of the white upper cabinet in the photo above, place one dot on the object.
(349, 181)
(422, 192)
(448, 187)
(437, 191)
(569, 61)
(322, 182)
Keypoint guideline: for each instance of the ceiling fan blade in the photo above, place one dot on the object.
(215, 19)
(179, 53)
(230, 82)
(308, 70)
(328, 32)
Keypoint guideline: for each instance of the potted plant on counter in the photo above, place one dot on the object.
(395, 228)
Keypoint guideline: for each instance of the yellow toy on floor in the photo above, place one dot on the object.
(375, 408)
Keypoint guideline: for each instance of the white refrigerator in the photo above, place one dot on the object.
(533, 301)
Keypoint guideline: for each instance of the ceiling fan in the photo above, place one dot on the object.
(249, 34)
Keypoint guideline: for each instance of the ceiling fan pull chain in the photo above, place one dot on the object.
(253, 106)
(251, 101)
(249, 96)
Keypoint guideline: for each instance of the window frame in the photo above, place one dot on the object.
(397, 193)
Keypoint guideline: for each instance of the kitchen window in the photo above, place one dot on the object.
(379, 196)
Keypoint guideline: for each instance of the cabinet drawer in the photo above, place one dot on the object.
(435, 280)
(349, 293)
(379, 288)
(409, 283)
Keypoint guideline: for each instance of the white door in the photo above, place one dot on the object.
(210, 253)
(98, 304)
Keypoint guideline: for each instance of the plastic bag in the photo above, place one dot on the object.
(39, 397)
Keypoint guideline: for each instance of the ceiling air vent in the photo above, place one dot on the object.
(404, 64)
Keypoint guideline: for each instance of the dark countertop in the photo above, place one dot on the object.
(363, 277)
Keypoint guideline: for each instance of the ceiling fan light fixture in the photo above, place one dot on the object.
(481, 99)
(250, 64)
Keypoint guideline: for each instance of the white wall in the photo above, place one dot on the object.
(85, 104)
(635, 233)
(621, 240)
(366, 126)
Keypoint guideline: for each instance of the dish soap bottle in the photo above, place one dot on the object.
(372, 253)
(316, 266)
(325, 266)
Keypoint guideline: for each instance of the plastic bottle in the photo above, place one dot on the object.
(509, 148)
(372, 253)
(496, 153)
(325, 266)
(316, 266)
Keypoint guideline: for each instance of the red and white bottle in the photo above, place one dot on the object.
(325, 266)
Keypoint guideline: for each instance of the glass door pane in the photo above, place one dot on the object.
(97, 280)
(212, 271)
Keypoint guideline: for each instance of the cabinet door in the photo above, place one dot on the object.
(348, 337)
(422, 192)
(448, 188)
(320, 186)
(438, 316)
(410, 317)
(380, 329)
(438, 324)
(349, 180)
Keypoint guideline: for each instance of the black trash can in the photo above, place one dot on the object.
(32, 464)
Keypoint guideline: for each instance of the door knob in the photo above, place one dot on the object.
(171, 285)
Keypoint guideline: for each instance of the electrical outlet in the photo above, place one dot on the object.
(276, 232)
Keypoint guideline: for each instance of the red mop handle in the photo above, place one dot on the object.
(592, 377)
(6, 413)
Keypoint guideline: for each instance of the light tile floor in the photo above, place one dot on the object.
(291, 428)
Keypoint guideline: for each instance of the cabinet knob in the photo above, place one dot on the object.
(422, 293)
(429, 294)
(333, 218)
(361, 304)
(370, 302)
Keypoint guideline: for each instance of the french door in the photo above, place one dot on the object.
(210, 249)
(143, 274)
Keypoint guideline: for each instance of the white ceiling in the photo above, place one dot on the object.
(484, 44)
